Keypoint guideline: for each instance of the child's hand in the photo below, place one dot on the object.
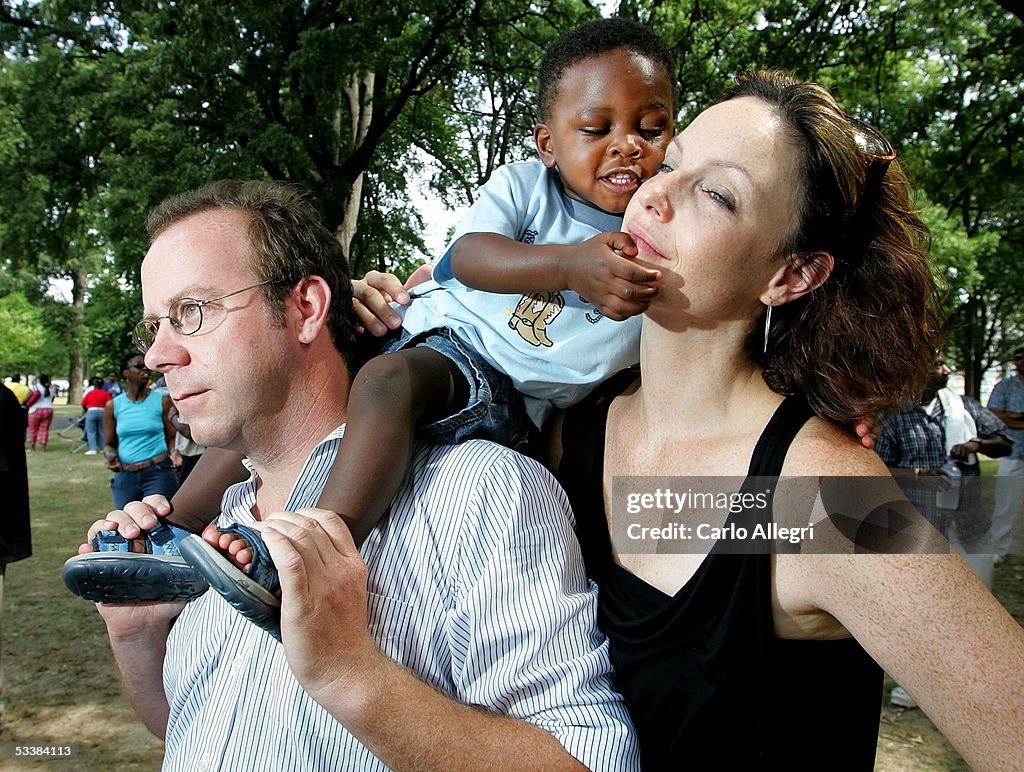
(602, 271)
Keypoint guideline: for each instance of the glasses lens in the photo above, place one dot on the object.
(143, 335)
(186, 316)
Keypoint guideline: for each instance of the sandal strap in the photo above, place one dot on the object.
(161, 540)
(262, 569)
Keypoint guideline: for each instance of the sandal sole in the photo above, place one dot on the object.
(107, 577)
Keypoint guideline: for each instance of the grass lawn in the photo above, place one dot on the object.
(61, 685)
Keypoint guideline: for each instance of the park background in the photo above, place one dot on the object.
(392, 115)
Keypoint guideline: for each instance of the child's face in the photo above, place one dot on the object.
(609, 126)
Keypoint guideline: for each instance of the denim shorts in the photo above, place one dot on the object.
(494, 409)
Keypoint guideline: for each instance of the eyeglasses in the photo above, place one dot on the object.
(872, 143)
(140, 366)
(185, 315)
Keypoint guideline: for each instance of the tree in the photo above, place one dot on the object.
(21, 334)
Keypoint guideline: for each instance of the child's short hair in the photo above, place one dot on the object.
(592, 39)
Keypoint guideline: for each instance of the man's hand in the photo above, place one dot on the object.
(130, 522)
(602, 271)
(373, 294)
(869, 430)
(324, 618)
(127, 621)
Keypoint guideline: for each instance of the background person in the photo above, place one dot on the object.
(792, 264)
(187, 451)
(15, 530)
(931, 448)
(139, 437)
(1007, 402)
(93, 403)
(40, 412)
(111, 384)
(20, 390)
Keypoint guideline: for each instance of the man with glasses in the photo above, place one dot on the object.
(464, 630)
(1007, 402)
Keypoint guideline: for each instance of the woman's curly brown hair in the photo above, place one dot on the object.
(864, 340)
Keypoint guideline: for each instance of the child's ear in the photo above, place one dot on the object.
(545, 145)
(798, 277)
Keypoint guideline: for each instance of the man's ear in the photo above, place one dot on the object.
(309, 304)
(545, 145)
(795, 279)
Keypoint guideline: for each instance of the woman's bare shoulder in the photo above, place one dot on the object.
(823, 447)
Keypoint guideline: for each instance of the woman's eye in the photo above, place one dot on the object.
(664, 168)
(720, 198)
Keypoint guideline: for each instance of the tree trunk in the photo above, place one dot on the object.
(75, 377)
(360, 103)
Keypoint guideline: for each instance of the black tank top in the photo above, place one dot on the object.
(708, 683)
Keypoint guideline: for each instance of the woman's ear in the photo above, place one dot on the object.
(545, 146)
(796, 279)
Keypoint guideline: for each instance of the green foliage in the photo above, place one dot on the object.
(110, 314)
(106, 110)
(21, 334)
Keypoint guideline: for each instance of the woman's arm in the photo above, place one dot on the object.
(110, 433)
(169, 430)
(925, 618)
(929, 621)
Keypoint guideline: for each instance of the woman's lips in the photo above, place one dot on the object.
(647, 251)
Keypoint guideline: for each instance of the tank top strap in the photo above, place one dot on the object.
(773, 444)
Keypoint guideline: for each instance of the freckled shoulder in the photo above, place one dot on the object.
(825, 448)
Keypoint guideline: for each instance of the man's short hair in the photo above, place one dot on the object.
(289, 243)
(1018, 351)
(591, 39)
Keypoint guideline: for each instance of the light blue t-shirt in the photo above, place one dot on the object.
(1008, 395)
(140, 427)
(555, 346)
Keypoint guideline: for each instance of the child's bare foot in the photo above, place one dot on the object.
(236, 547)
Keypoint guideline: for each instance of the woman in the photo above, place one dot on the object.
(792, 264)
(139, 437)
(40, 412)
(93, 403)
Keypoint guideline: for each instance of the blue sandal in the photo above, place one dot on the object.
(149, 568)
(252, 594)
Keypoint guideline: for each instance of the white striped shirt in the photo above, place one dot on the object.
(476, 584)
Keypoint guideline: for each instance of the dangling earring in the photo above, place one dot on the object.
(767, 325)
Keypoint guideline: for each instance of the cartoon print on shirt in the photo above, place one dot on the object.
(534, 313)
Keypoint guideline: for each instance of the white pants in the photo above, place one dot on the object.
(1009, 493)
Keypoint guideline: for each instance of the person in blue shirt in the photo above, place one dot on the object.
(139, 437)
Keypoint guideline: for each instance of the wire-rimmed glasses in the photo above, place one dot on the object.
(185, 316)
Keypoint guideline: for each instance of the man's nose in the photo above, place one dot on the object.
(167, 348)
